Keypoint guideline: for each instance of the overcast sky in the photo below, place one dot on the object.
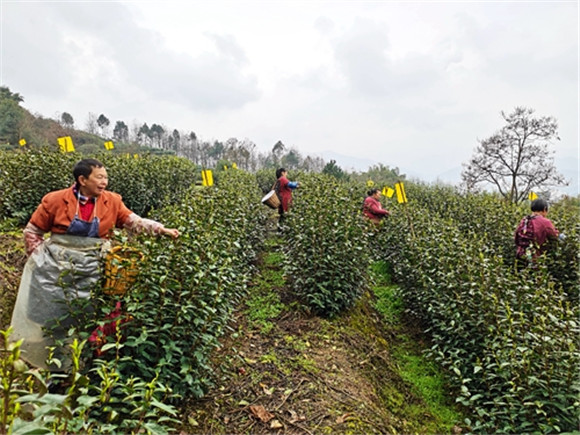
(412, 85)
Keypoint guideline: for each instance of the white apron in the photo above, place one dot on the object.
(63, 268)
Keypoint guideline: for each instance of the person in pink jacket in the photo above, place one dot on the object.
(372, 208)
(534, 234)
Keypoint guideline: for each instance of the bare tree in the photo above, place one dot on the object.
(516, 159)
(277, 151)
(91, 126)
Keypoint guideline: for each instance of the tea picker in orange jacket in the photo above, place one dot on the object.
(66, 265)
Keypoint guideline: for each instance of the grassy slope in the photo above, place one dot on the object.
(283, 369)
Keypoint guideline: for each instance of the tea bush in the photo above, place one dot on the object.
(149, 182)
(188, 288)
(145, 182)
(105, 405)
(25, 177)
(266, 179)
(326, 245)
(508, 340)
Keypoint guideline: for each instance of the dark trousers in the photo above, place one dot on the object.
(281, 218)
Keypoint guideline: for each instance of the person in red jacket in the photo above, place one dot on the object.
(534, 234)
(372, 208)
(65, 265)
(284, 189)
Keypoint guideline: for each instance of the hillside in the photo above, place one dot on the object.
(241, 326)
(281, 369)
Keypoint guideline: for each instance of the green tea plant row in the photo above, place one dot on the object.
(187, 288)
(509, 340)
(485, 216)
(325, 236)
(145, 182)
(173, 315)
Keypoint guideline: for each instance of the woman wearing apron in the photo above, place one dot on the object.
(66, 265)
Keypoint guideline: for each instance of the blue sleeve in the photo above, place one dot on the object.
(293, 184)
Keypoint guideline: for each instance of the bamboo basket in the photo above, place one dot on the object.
(271, 200)
(121, 269)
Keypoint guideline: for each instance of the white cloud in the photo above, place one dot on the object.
(413, 85)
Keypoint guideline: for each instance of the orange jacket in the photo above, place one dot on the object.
(58, 208)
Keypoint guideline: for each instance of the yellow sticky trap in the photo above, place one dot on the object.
(135, 156)
(532, 196)
(400, 189)
(22, 142)
(370, 183)
(388, 192)
(225, 167)
(234, 166)
(66, 144)
(109, 145)
(207, 177)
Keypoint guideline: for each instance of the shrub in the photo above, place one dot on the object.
(326, 245)
(188, 288)
(145, 182)
(508, 340)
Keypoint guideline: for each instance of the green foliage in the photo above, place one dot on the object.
(264, 305)
(145, 182)
(508, 340)
(332, 169)
(11, 117)
(149, 182)
(26, 176)
(326, 245)
(380, 174)
(187, 288)
(97, 402)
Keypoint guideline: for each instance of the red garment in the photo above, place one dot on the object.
(86, 210)
(543, 230)
(99, 336)
(285, 193)
(373, 210)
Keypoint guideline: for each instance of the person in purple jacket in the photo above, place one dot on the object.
(534, 234)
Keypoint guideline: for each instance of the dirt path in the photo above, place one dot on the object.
(296, 373)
